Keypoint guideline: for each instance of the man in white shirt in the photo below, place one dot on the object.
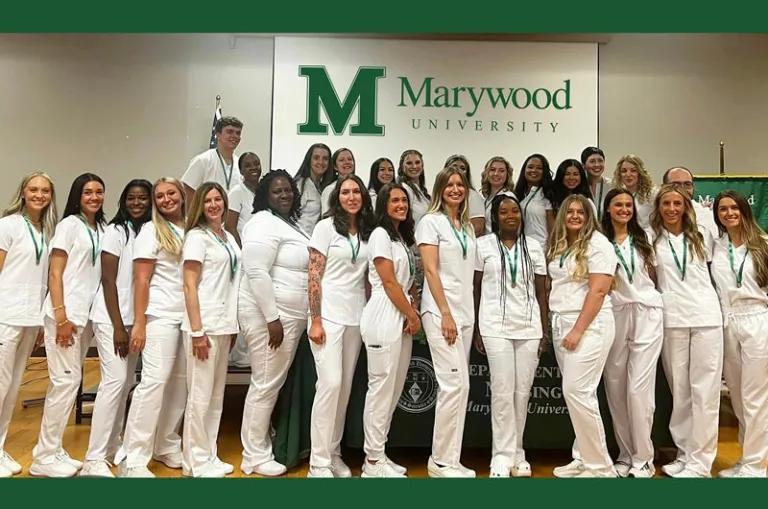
(684, 177)
(216, 164)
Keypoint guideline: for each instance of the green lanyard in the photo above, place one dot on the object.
(231, 254)
(38, 248)
(525, 208)
(513, 266)
(291, 224)
(227, 176)
(564, 256)
(95, 244)
(411, 261)
(463, 239)
(355, 251)
(740, 274)
(630, 273)
(175, 231)
(600, 200)
(682, 268)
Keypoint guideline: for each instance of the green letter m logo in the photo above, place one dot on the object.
(362, 94)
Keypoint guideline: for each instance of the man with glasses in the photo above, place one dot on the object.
(704, 215)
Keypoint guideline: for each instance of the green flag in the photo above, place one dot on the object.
(753, 187)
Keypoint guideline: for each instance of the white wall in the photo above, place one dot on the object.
(127, 106)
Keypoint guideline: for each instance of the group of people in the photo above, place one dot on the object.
(616, 272)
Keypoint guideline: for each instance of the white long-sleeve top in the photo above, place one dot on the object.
(275, 267)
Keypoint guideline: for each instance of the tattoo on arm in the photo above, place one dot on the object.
(316, 271)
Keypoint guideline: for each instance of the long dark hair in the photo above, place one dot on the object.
(76, 193)
(405, 229)
(546, 186)
(639, 237)
(364, 218)
(754, 237)
(373, 181)
(305, 169)
(525, 257)
(561, 192)
(261, 195)
(123, 218)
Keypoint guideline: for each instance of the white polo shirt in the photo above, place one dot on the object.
(116, 244)
(219, 283)
(209, 167)
(567, 294)
(455, 270)
(23, 280)
(534, 209)
(166, 293)
(520, 318)
(641, 290)
(275, 267)
(311, 205)
(691, 302)
(241, 202)
(730, 293)
(343, 283)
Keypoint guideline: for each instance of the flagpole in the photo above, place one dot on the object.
(218, 101)
(722, 158)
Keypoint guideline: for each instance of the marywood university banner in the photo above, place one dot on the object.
(753, 187)
(480, 99)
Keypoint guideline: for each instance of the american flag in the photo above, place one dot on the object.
(216, 118)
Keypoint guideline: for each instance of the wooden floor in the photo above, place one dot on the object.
(26, 421)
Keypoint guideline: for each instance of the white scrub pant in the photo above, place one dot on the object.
(582, 369)
(745, 368)
(65, 373)
(157, 405)
(388, 362)
(693, 363)
(239, 355)
(335, 363)
(630, 380)
(269, 369)
(111, 397)
(16, 345)
(206, 382)
(512, 364)
(452, 372)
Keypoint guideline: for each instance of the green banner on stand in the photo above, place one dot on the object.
(753, 187)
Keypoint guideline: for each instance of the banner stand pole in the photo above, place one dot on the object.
(722, 158)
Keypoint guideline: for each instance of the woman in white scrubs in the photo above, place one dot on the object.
(511, 307)
(740, 271)
(343, 163)
(496, 178)
(632, 175)
(313, 177)
(338, 256)
(112, 318)
(447, 243)
(26, 227)
(389, 320)
(157, 403)
(273, 309)
(476, 202)
(535, 190)
(410, 173)
(73, 278)
(692, 353)
(582, 264)
(211, 273)
(593, 159)
(382, 173)
(630, 372)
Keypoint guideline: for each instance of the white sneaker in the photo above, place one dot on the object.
(591, 474)
(62, 455)
(500, 471)
(269, 469)
(397, 468)
(211, 473)
(674, 468)
(5, 473)
(687, 473)
(340, 469)
(646, 472)
(224, 467)
(96, 469)
(730, 472)
(59, 468)
(435, 470)
(747, 472)
(522, 469)
(143, 472)
(572, 469)
(9, 463)
(381, 468)
(622, 468)
(320, 472)
(170, 460)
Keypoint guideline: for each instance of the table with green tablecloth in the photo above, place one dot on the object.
(548, 426)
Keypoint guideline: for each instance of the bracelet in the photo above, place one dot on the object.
(59, 307)
(197, 333)
(65, 322)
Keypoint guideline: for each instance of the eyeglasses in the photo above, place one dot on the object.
(687, 185)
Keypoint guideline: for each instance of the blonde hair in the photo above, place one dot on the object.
(50, 215)
(196, 217)
(558, 240)
(690, 227)
(485, 186)
(644, 180)
(166, 237)
(441, 182)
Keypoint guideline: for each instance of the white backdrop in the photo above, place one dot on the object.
(440, 98)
